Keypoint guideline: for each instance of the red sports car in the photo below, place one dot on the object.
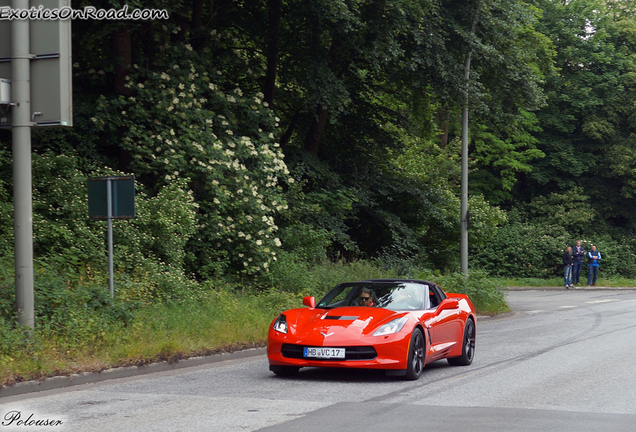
(396, 325)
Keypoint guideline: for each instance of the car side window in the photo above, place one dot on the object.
(435, 295)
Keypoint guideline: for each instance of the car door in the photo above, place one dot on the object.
(444, 325)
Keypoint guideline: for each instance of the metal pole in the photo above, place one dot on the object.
(22, 187)
(109, 214)
(464, 191)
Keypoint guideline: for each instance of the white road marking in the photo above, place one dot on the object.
(566, 307)
(534, 311)
(601, 301)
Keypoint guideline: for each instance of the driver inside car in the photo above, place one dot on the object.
(366, 297)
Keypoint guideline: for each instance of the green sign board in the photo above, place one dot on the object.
(122, 197)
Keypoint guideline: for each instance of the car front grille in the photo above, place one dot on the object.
(351, 353)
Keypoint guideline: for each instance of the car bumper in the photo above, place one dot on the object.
(391, 351)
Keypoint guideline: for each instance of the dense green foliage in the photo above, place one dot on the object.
(270, 138)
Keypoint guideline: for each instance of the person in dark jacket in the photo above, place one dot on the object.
(567, 267)
(594, 258)
(578, 253)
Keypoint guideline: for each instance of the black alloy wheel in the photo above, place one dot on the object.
(468, 347)
(417, 353)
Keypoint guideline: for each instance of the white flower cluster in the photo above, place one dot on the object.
(184, 122)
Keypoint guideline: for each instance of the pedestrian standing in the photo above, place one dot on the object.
(594, 258)
(568, 263)
(578, 253)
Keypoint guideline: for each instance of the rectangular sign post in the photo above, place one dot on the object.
(111, 198)
(109, 215)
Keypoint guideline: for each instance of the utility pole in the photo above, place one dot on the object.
(35, 69)
(464, 190)
(22, 188)
(465, 214)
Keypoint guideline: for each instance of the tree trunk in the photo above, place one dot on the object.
(290, 129)
(443, 116)
(272, 50)
(196, 23)
(122, 51)
(317, 128)
(182, 20)
(197, 14)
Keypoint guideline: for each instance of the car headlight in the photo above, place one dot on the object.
(391, 327)
(280, 325)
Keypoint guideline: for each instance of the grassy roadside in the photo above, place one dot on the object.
(224, 318)
(223, 321)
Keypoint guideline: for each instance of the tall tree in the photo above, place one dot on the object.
(588, 124)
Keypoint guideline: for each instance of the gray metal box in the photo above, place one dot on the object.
(51, 70)
(5, 91)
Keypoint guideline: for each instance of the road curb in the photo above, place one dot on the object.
(481, 318)
(58, 382)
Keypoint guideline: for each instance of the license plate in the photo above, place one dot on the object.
(325, 352)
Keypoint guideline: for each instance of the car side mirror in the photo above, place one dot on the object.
(449, 303)
(309, 301)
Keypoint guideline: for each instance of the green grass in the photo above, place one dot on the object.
(616, 282)
(224, 321)
(530, 282)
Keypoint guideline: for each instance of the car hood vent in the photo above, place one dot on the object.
(342, 318)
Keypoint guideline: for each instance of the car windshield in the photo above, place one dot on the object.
(389, 295)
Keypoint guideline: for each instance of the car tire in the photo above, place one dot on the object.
(468, 346)
(284, 371)
(417, 354)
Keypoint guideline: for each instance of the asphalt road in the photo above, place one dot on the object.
(564, 361)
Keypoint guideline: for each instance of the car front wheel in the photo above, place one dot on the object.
(417, 352)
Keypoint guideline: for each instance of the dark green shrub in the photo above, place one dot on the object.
(618, 256)
(522, 250)
(486, 295)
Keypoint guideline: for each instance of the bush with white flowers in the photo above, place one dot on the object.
(185, 120)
